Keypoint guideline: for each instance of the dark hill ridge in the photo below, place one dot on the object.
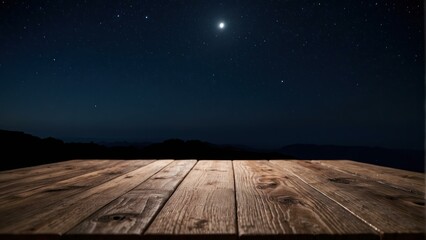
(24, 150)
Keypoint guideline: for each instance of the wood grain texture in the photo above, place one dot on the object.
(167, 199)
(132, 212)
(397, 214)
(22, 204)
(68, 170)
(273, 203)
(406, 180)
(203, 205)
(28, 213)
(16, 174)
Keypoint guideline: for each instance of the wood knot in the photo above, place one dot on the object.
(215, 170)
(198, 224)
(267, 185)
(32, 229)
(212, 183)
(117, 217)
(390, 197)
(288, 200)
(159, 178)
(341, 180)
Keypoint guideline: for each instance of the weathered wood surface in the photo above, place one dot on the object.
(204, 204)
(275, 202)
(36, 178)
(132, 212)
(409, 181)
(168, 199)
(66, 211)
(21, 205)
(389, 210)
(15, 174)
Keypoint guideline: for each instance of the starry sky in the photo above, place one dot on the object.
(273, 73)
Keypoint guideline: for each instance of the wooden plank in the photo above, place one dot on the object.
(31, 181)
(65, 214)
(18, 207)
(131, 213)
(395, 213)
(272, 202)
(69, 186)
(202, 206)
(16, 174)
(406, 180)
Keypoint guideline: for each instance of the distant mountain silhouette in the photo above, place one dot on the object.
(139, 145)
(176, 148)
(412, 160)
(23, 150)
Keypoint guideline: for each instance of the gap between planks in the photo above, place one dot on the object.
(276, 204)
(66, 213)
(132, 212)
(267, 195)
(203, 205)
(395, 213)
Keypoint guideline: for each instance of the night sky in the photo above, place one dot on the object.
(274, 73)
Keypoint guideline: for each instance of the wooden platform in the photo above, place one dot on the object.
(156, 199)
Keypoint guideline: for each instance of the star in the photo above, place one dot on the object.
(221, 25)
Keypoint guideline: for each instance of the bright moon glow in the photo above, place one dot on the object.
(221, 25)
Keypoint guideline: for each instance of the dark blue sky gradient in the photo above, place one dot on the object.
(280, 72)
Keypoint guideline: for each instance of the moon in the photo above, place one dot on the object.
(221, 25)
